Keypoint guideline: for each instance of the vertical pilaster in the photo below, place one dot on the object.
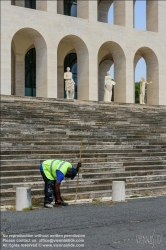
(20, 3)
(130, 81)
(41, 5)
(60, 6)
(20, 74)
(82, 9)
(129, 14)
(162, 18)
(5, 67)
(119, 12)
(52, 73)
(93, 10)
(52, 7)
(152, 15)
(5, 48)
(93, 76)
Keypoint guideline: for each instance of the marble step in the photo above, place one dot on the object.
(90, 166)
(148, 156)
(28, 175)
(76, 150)
(10, 171)
(82, 182)
(83, 188)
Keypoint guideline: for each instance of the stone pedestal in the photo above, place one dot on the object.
(118, 191)
(23, 198)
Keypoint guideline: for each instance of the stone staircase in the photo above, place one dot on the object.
(120, 142)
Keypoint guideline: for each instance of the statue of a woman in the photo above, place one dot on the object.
(108, 87)
(69, 84)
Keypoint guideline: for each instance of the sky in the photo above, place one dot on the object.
(140, 23)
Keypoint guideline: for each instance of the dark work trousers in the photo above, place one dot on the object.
(49, 190)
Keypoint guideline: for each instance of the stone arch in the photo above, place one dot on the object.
(76, 45)
(23, 40)
(152, 66)
(109, 53)
(119, 11)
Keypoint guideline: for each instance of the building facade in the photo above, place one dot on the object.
(40, 38)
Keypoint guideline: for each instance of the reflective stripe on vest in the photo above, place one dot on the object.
(60, 166)
(51, 166)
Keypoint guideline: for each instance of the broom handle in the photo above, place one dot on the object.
(78, 171)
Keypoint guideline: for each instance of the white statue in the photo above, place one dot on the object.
(108, 87)
(69, 84)
(143, 83)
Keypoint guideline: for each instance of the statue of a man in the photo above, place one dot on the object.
(143, 83)
(108, 87)
(69, 84)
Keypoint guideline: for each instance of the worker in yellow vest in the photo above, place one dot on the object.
(53, 172)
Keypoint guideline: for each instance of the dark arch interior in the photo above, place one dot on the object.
(30, 73)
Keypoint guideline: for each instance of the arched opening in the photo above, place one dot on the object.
(152, 73)
(104, 66)
(29, 63)
(72, 50)
(30, 73)
(30, 4)
(111, 14)
(112, 56)
(111, 11)
(71, 62)
(70, 8)
(139, 14)
(145, 15)
(67, 7)
(103, 10)
(73, 8)
(140, 71)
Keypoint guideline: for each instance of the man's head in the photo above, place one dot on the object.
(72, 172)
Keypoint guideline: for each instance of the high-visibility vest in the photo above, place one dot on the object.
(50, 167)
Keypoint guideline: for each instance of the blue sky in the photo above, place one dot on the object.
(140, 23)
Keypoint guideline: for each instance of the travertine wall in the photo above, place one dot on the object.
(55, 35)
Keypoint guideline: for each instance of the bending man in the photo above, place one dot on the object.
(53, 172)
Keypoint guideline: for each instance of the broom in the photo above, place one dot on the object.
(78, 172)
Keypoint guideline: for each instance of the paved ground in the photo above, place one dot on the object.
(137, 224)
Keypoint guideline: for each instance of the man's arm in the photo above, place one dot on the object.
(57, 191)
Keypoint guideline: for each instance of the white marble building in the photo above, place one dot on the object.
(47, 31)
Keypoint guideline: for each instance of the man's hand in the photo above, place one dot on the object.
(62, 203)
(79, 164)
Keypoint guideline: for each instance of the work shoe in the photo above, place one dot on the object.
(48, 205)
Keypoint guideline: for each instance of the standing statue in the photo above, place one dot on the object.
(108, 87)
(69, 84)
(143, 83)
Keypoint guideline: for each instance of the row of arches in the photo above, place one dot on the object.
(110, 11)
(145, 13)
(29, 66)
